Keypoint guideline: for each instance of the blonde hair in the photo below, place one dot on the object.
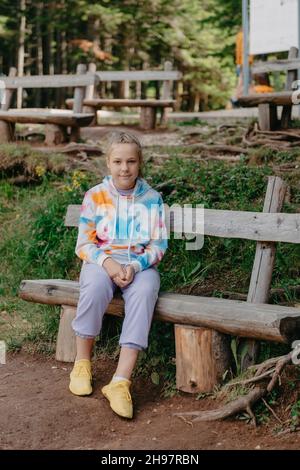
(119, 137)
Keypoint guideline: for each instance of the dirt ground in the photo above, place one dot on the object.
(38, 412)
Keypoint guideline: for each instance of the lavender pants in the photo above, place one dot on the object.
(96, 292)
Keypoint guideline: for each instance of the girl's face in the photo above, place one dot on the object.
(123, 164)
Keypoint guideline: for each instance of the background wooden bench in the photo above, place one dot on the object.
(268, 102)
(202, 323)
(56, 120)
(148, 107)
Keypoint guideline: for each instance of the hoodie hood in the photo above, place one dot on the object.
(141, 187)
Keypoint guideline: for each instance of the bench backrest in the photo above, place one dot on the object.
(139, 75)
(50, 81)
(167, 76)
(257, 226)
(81, 82)
(290, 65)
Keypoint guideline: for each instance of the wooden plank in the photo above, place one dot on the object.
(262, 270)
(279, 98)
(291, 77)
(275, 66)
(51, 81)
(259, 226)
(138, 75)
(98, 103)
(245, 319)
(51, 116)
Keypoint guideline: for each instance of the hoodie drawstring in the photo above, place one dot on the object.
(131, 231)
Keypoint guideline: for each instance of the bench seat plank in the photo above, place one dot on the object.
(280, 98)
(48, 116)
(98, 103)
(260, 321)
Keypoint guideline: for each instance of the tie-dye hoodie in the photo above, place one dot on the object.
(128, 228)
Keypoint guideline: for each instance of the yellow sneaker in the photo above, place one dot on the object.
(81, 378)
(119, 397)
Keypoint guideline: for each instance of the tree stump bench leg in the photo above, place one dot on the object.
(75, 134)
(66, 340)
(7, 132)
(267, 117)
(54, 134)
(148, 118)
(202, 357)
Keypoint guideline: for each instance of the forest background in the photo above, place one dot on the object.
(197, 36)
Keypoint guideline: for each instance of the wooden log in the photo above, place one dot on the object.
(267, 117)
(280, 98)
(66, 340)
(262, 270)
(6, 132)
(258, 226)
(55, 135)
(238, 318)
(291, 77)
(202, 358)
(148, 118)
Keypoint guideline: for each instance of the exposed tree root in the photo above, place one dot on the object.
(272, 367)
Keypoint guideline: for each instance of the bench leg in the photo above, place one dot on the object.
(75, 134)
(7, 132)
(55, 135)
(66, 340)
(148, 118)
(267, 117)
(164, 116)
(202, 357)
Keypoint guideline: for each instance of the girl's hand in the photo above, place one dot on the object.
(114, 269)
(129, 272)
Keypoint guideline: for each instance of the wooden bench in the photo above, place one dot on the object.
(56, 120)
(148, 107)
(268, 102)
(202, 323)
